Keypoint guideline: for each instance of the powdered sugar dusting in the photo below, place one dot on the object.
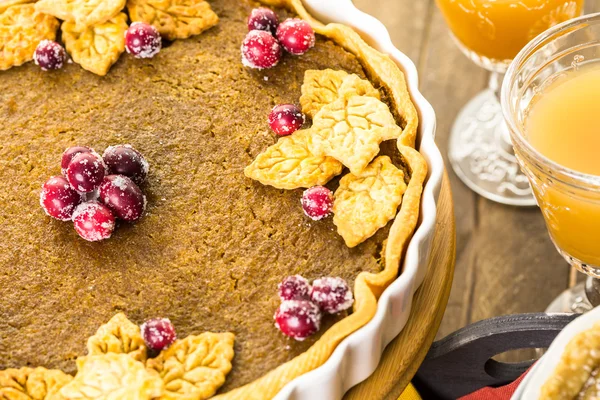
(125, 160)
(123, 197)
(49, 55)
(58, 199)
(296, 36)
(142, 40)
(93, 221)
(263, 19)
(285, 119)
(332, 294)
(317, 202)
(298, 319)
(86, 171)
(294, 287)
(260, 50)
(158, 333)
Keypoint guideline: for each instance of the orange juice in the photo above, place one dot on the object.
(562, 124)
(499, 29)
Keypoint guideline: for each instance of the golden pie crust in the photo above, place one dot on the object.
(82, 13)
(22, 28)
(368, 287)
(115, 350)
(575, 376)
(96, 48)
(174, 19)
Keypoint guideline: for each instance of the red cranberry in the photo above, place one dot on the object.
(86, 172)
(332, 295)
(285, 119)
(142, 40)
(294, 288)
(125, 160)
(58, 199)
(49, 55)
(260, 50)
(123, 197)
(296, 36)
(317, 202)
(158, 333)
(298, 318)
(93, 221)
(263, 19)
(69, 154)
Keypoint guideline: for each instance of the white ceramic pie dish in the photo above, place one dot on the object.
(358, 355)
(533, 382)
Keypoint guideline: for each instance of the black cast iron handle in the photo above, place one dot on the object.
(462, 362)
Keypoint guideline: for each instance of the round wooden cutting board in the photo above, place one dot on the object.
(405, 353)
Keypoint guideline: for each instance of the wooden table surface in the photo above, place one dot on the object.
(406, 352)
(505, 262)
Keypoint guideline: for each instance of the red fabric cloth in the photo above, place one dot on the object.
(500, 393)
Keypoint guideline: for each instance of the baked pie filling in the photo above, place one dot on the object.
(223, 223)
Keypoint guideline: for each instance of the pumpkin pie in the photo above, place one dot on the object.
(222, 226)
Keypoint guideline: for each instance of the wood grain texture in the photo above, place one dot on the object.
(505, 261)
(404, 354)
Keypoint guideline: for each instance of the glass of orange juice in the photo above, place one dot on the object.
(551, 104)
(491, 33)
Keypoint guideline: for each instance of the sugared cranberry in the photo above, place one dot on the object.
(58, 199)
(296, 36)
(125, 160)
(285, 119)
(69, 154)
(49, 55)
(298, 319)
(93, 221)
(86, 172)
(158, 333)
(294, 288)
(332, 295)
(123, 197)
(260, 50)
(142, 40)
(263, 19)
(317, 202)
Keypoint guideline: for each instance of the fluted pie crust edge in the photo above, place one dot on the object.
(368, 287)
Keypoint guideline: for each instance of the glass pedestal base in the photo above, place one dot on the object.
(481, 153)
(572, 300)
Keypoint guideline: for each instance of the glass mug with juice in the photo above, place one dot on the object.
(491, 33)
(562, 124)
(551, 103)
(498, 29)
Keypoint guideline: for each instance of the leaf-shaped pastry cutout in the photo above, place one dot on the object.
(4, 4)
(174, 19)
(288, 164)
(32, 384)
(195, 368)
(366, 202)
(97, 47)
(351, 129)
(113, 377)
(82, 13)
(119, 335)
(22, 28)
(352, 85)
(322, 87)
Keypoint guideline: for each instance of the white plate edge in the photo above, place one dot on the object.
(338, 374)
(546, 365)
